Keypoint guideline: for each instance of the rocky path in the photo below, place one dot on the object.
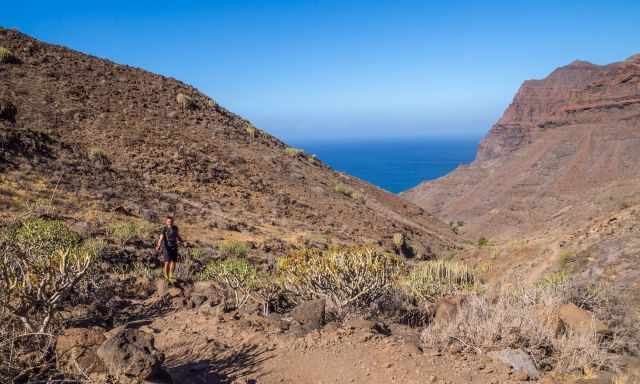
(231, 349)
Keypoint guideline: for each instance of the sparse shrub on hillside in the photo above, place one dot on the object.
(434, 279)
(398, 240)
(8, 111)
(41, 262)
(405, 248)
(125, 232)
(483, 242)
(233, 248)
(235, 274)
(553, 279)
(523, 318)
(456, 226)
(99, 157)
(122, 232)
(251, 131)
(348, 191)
(346, 276)
(7, 57)
(266, 289)
(566, 258)
(185, 102)
(294, 151)
(211, 103)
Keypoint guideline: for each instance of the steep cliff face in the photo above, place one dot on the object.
(566, 149)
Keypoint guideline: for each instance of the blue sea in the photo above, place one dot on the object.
(395, 165)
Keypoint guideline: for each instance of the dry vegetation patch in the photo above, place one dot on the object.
(527, 318)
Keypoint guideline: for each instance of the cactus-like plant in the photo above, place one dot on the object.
(345, 276)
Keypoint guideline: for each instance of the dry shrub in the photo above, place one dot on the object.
(233, 248)
(345, 276)
(434, 279)
(123, 233)
(524, 318)
(7, 57)
(185, 102)
(42, 262)
(294, 151)
(237, 275)
(349, 191)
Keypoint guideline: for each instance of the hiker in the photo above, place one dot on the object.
(169, 239)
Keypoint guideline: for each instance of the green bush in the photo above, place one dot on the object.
(233, 248)
(348, 191)
(434, 279)
(345, 276)
(41, 262)
(235, 274)
(483, 242)
(123, 232)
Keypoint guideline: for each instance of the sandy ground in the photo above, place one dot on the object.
(227, 349)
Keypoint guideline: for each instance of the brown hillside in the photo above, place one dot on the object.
(115, 142)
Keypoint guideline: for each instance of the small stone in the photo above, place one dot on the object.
(521, 375)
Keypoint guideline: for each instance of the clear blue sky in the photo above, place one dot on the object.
(345, 69)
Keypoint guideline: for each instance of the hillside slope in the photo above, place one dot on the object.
(105, 142)
(567, 150)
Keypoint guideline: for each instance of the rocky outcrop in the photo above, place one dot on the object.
(76, 349)
(310, 314)
(131, 357)
(566, 149)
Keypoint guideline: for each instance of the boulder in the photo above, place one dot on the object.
(130, 356)
(76, 349)
(310, 314)
(579, 320)
(518, 360)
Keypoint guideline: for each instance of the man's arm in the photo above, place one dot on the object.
(159, 241)
(179, 237)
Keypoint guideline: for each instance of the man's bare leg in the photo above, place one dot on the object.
(172, 267)
(167, 270)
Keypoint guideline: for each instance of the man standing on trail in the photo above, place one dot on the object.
(169, 239)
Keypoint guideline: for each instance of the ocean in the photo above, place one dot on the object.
(394, 165)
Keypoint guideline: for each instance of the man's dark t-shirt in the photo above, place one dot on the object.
(170, 243)
(171, 236)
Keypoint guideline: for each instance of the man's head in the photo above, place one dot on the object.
(168, 221)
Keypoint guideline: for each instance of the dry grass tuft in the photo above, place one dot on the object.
(349, 191)
(526, 318)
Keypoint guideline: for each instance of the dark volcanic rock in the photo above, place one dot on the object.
(310, 314)
(131, 357)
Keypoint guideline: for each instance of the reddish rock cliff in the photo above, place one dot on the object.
(567, 148)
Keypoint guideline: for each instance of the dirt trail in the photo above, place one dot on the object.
(228, 349)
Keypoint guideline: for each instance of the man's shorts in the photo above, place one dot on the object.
(170, 254)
